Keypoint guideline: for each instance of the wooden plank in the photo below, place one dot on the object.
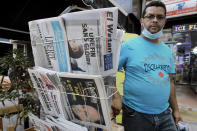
(11, 109)
(5, 84)
(5, 87)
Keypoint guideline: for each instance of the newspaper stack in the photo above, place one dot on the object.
(85, 42)
(77, 52)
(52, 124)
(80, 98)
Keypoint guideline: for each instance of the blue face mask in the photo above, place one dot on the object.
(151, 36)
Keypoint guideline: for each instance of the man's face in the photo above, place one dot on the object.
(154, 19)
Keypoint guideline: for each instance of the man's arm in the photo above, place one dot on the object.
(116, 102)
(173, 101)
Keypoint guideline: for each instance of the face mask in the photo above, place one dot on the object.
(151, 36)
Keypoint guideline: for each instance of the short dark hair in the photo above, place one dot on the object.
(154, 3)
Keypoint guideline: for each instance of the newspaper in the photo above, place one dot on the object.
(92, 40)
(52, 124)
(49, 44)
(119, 35)
(80, 98)
(87, 41)
(41, 125)
(46, 83)
(87, 98)
(68, 125)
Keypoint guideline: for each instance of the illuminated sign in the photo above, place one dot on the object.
(185, 28)
(193, 27)
(177, 8)
(180, 28)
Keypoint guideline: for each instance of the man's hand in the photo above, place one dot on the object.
(173, 102)
(116, 103)
(177, 116)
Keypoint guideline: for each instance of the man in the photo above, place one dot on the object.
(148, 87)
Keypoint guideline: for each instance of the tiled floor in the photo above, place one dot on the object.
(186, 96)
(187, 101)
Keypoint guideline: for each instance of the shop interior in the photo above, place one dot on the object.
(183, 42)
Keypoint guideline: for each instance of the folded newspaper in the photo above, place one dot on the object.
(80, 98)
(87, 99)
(49, 44)
(52, 124)
(92, 41)
(85, 42)
(46, 84)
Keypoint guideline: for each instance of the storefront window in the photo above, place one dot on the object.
(182, 41)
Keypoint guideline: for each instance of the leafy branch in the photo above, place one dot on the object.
(21, 91)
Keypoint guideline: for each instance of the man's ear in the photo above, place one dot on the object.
(141, 21)
(165, 21)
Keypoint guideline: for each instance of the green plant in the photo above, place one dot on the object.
(21, 91)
